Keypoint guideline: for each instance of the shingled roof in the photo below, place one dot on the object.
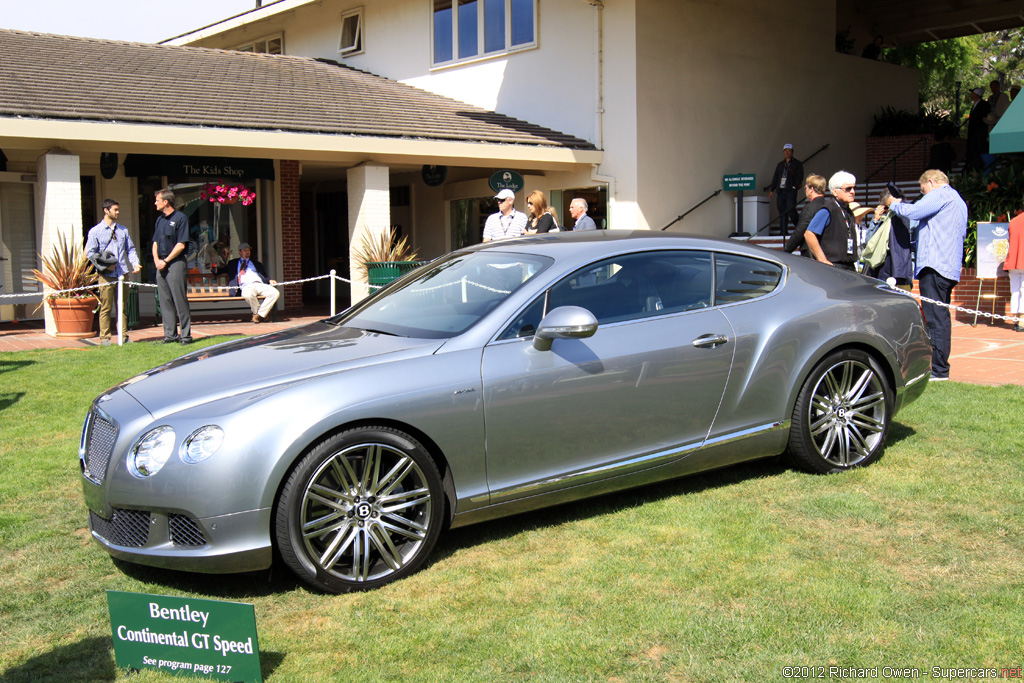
(48, 76)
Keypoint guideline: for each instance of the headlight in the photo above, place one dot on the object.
(151, 452)
(201, 444)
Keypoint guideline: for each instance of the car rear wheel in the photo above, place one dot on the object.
(362, 509)
(842, 414)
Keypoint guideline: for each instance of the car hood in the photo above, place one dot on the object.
(265, 362)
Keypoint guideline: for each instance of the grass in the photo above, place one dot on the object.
(728, 576)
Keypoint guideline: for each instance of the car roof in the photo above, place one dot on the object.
(598, 243)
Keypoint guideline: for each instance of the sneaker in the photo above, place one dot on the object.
(937, 378)
(104, 342)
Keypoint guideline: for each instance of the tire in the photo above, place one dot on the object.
(362, 509)
(842, 415)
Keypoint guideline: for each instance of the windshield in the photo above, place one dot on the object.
(446, 297)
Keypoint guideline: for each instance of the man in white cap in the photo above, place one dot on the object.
(977, 130)
(507, 222)
(788, 178)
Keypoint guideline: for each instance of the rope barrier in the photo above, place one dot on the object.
(891, 285)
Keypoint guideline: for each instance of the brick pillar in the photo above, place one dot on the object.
(59, 202)
(369, 215)
(291, 238)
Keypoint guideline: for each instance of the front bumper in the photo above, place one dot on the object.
(216, 545)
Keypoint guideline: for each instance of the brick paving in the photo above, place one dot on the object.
(990, 353)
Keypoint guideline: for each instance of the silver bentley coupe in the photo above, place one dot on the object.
(497, 379)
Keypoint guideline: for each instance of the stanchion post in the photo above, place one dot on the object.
(333, 272)
(120, 308)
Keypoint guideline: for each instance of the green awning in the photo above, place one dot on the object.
(1008, 134)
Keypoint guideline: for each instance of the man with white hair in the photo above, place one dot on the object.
(832, 233)
(942, 226)
(578, 210)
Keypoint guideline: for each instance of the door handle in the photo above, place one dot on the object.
(709, 341)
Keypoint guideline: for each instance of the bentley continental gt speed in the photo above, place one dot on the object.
(497, 379)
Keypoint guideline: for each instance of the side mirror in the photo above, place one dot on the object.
(565, 322)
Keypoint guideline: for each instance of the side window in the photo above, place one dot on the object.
(739, 278)
(627, 287)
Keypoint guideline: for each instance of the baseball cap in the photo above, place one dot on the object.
(505, 194)
(788, 145)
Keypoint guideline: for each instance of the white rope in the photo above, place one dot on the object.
(969, 311)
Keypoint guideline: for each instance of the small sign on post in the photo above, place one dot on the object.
(738, 182)
(185, 636)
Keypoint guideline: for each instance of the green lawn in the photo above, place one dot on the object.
(916, 561)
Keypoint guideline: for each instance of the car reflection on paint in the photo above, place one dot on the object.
(497, 379)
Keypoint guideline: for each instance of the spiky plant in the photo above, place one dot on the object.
(66, 268)
(383, 248)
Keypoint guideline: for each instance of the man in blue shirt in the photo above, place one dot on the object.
(578, 208)
(831, 235)
(942, 225)
(110, 239)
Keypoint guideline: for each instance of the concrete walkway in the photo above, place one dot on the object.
(991, 353)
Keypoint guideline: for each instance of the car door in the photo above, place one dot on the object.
(642, 390)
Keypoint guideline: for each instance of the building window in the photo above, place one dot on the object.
(468, 29)
(270, 45)
(351, 42)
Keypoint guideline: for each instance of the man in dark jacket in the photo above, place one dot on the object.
(250, 277)
(789, 174)
(977, 131)
(814, 190)
(832, 233)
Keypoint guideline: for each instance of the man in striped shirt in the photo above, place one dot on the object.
(942, 225)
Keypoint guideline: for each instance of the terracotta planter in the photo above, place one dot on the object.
(74, 317)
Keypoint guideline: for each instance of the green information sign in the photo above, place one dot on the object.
(185, 636)
(739, 181)
(506, 180)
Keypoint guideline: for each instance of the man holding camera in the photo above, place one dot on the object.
(112, 252)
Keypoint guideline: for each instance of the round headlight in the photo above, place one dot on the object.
(201, 444)
(151, 452)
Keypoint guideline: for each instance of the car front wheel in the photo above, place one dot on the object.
(842, 414)
(362, 509)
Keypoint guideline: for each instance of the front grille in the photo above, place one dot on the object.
(99, 445)
(128, 528)
(185, 531)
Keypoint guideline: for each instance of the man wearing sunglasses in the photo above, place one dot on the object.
(507, 222)
(832, 233)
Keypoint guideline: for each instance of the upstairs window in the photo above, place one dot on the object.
(270, 45)
(351, 42)
(468, 29)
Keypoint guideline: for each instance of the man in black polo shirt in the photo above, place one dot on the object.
(170, 236)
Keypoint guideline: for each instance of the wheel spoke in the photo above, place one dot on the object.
(388, 552)
(337, 548)
(416, 531)
(406, 499)
(371, 467)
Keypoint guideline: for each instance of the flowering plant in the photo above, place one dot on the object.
(221, 193)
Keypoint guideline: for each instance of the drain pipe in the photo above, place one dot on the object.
(595, 174)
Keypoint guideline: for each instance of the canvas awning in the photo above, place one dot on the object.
(1008, 135)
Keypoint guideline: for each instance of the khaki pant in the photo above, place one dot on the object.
(108, 302)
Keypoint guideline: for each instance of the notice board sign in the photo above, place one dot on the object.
(185, 636)
(993, 246)
(739, 181)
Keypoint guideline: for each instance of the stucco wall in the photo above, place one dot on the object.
(722, 91)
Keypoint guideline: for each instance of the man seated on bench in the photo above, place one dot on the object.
(251, 277)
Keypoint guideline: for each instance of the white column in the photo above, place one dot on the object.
(369, 215)
(59, 205)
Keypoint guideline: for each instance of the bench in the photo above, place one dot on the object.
(208, 294)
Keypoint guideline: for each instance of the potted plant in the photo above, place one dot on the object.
(67, 268)
(384, 258)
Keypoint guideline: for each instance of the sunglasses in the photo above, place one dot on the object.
(850, 188)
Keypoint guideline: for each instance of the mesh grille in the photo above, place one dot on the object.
(185, 531)
(99, 446)
(128, 528)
